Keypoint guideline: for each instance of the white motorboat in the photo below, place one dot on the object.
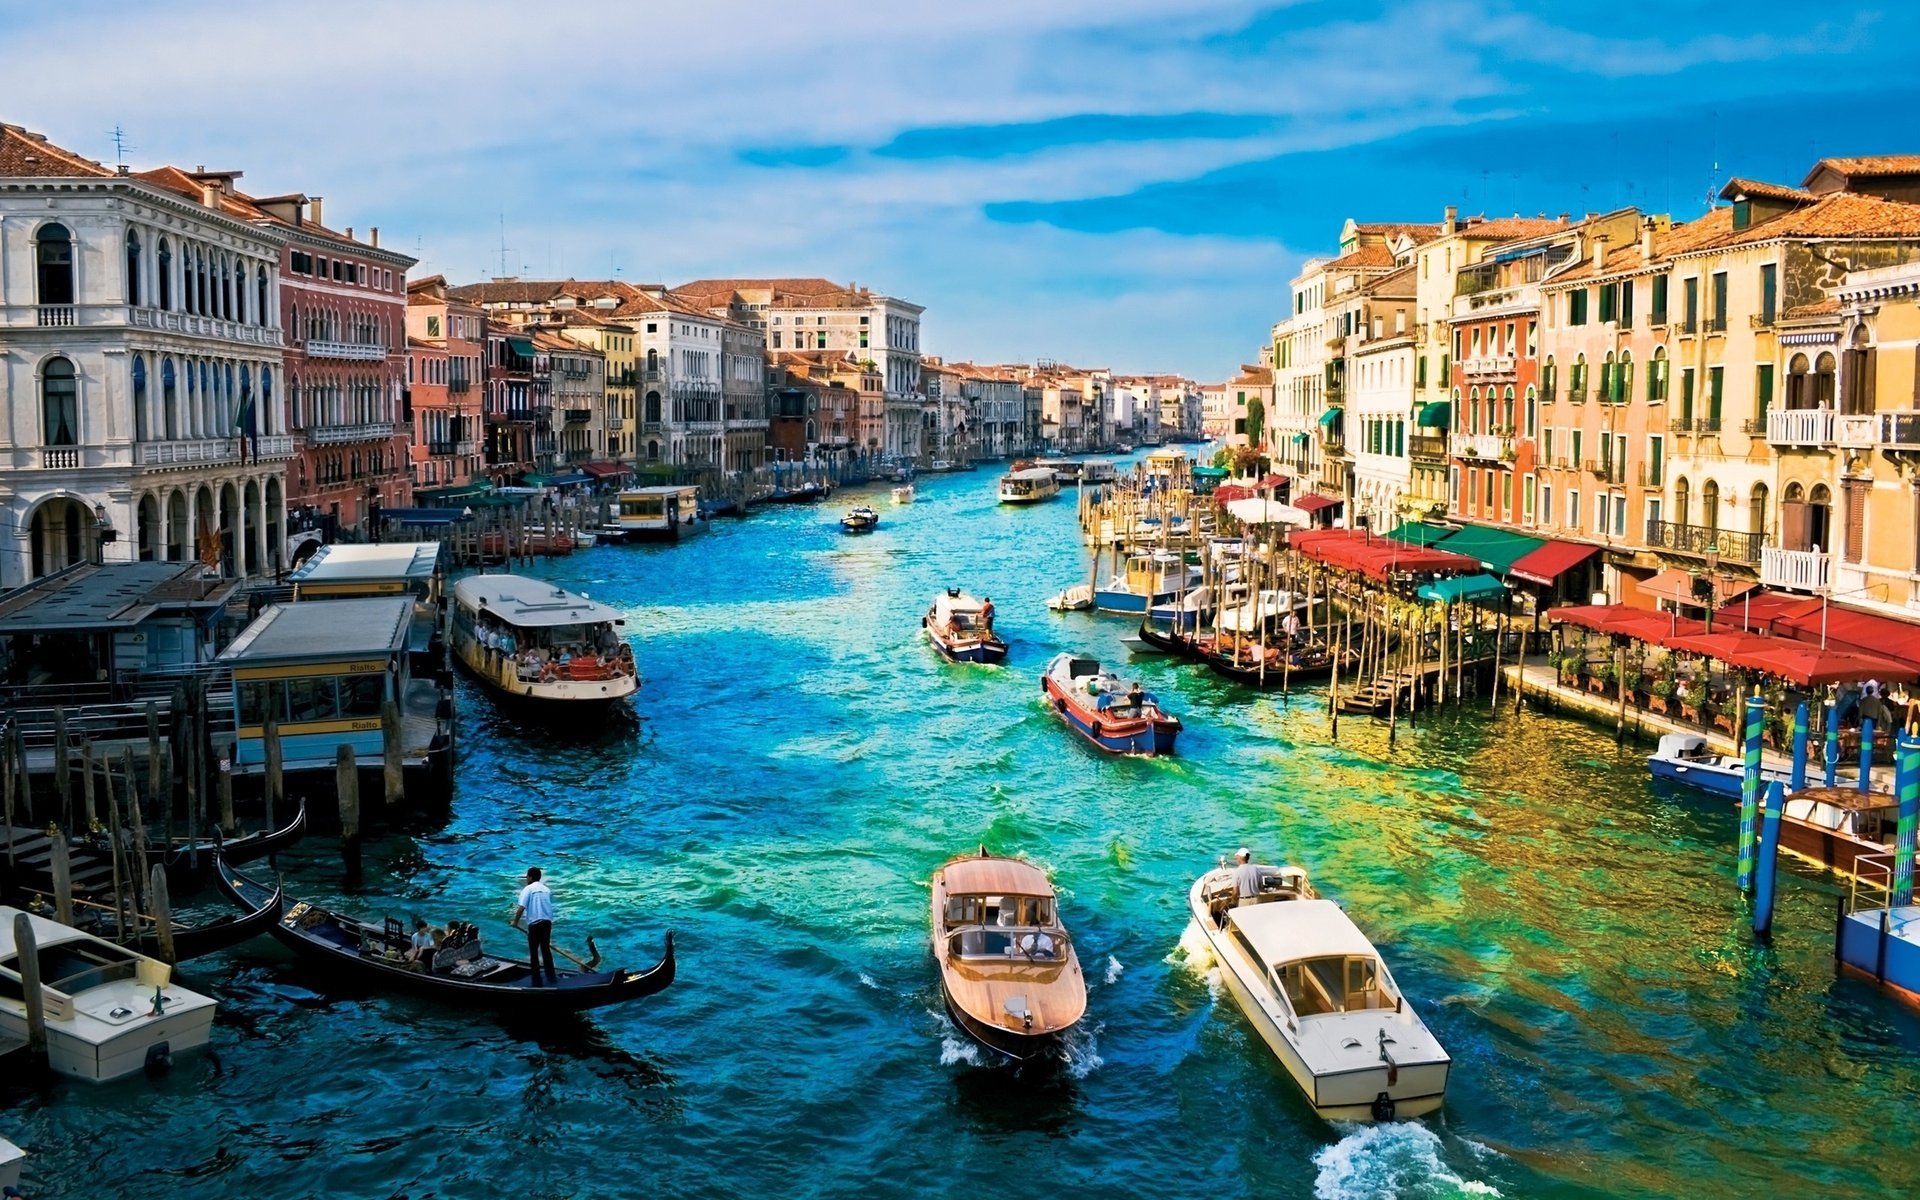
(1077, 598)
(110, 1012)
(904, 494)
(1318, 993)
(528, 640)
(11, 1157)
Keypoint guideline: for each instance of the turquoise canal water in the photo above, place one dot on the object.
(801, 763)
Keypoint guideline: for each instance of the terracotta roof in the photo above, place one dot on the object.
(1372, 256)
(810, 292)
(1835, 215)
(1388, 284)
(1500, 229)
(1249, 373)
(414, 343)
(1819, 308)
(25, 154)
(1737, 187)
(1396, 228)
(1867, 166)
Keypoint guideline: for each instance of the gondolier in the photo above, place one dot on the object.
(535, 904)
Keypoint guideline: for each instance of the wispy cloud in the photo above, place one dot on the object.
(1124, 181)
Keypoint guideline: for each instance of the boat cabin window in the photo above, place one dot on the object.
(1005, 927)
(1339, 983)
(1000, 910)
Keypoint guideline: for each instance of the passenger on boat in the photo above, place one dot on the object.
(1136, 697)
(1291, 626)
(986, 613)
(1246, 876)
(425, 940)
(1036, 945)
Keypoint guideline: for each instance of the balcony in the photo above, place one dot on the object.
(351, 351)
(1801, 570)
(579, 416)
(1484, 447)
(1427, 447)
(440, 449)
(213, 450)
(1653, 475)
(1679, 424)
(1492, 364)
(49, 316)
(1800, 427)
(1763, 320)
(1897, 430)
(616, 424)
(1706, 425)
(1714, 325)
(334, 435)
(1606, 470)
(1702, 541)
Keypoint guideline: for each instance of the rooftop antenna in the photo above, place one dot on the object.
(120, 146)
(503, 243)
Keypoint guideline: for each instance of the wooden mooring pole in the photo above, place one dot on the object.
(27, 966)
(276, 775)
(392, 757)
(60, 867)
(346, 777)
(62, 772)
(160, 908)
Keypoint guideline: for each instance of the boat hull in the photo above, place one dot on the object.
(1274, 676)
(981, 652)
(1020, 1047)
(1130, 736)
(1719, 778)
(570, 697)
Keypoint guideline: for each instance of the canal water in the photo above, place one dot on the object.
(799, 765)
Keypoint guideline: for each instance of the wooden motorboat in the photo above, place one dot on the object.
(110, 1011)
(1008, 969)
(1836, 827)
(1148, 579)
(1318, 993)
(959, 630)
(460, 971)
(861, 518)
(1686, 760)
(1099, 707)
(564, 652)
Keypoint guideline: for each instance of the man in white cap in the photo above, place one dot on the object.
(1246, 876)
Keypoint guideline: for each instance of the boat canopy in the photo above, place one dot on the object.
(1299, 929)
(531, 603)
(995, 877)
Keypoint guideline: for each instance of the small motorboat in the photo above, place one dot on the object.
(1078, 598)
(110, 1011)
(1147, 580)
(1319, 995)
(458, 971)
(961, 629)
(904, 494)
(1099, 707)
(1007, 967)
(860, 518)
(1685, 759)
(1837, 827)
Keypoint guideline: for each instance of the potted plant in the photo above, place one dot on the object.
(1635, 677)
(1660, 695)
(1603, 678)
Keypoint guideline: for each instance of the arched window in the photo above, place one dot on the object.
(1605, 394)
(163, 274)
(1757, 510)
(1577, 386)
(169, 401)
(226, 288)
(1799, 394)
(54, 254)
(140, 430)
(1507, 419)
(1820, 514)
(1533, 412)
(229, 414)
(268, 424)
(1657, 376)
(1710, 504)
(203, 293)
(260, 316)
(1473, 410)
(1547, 381)
(1823, 381)
(1682, 500)
(133, 266)
(1623, 378)
(59, 404)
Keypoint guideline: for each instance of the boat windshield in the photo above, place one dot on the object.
(1004, 927)
(1335, 984)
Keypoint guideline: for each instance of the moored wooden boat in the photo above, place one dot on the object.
(346, 950)
(1099, 707)
(1319, 995)
(1008, 969)
(1169, 641)
(960, 631)
(1837, 827)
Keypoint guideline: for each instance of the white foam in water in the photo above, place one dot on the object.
(1399, 1158)
(1113, 969)
(868, 981)
(1080, 1052)
(955, 1046)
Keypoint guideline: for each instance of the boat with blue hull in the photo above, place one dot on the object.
(961, 629)
(1684, 759)
(1114, 716)
(1151, 579)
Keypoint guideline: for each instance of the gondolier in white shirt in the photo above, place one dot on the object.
(1246, 876)
(535, 904)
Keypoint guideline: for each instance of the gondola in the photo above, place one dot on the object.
(460, 972)
(1168, 642)
(189, 941)
(1316, 663)
(90, 859)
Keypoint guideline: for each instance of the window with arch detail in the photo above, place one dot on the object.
(133, 266)
(59, 403)
(53, 256)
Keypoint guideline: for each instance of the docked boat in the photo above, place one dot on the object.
(661, 514)
(904, 494)
(1837, 827)
(1319, 995)
(1029, 486)
(1066, 470)
(1147, 580)
(188, 860)
(1243, 661)
(459, 970)
(1685, 759)
(860, 518)
(960, 630)
(529, 640)
(494, 545)
(1188, 611)
(1099, 707)
(110, 1011)
(1008, 968)
(1097, 470)
(942, 466)
(799, 493)
(1169, 641)
(1078, 598)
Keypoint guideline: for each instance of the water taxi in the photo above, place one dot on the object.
(1318, 993)
(861, 518)
(110, 1012)
(1146, 580)
(961, 630)
(904, 494)
(323, 671)
(1030, 486)
(661, 514)
(531, 641)
(1097, 470)
(1007, 967)
(1099, 707)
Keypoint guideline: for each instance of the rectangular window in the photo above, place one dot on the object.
(1444, 368)
(1546, 504)
(1626, 304)
(1719, 299)
(1653, 510)
(1578, 437)
(1769, 291)
(1690, 304)
(1506, 495)
(1602, 508)
(1420, 371)
(1453, 486)
(1762, 393)
(1546, 445)
(1609, 296)
(1487, 493)
(1686, 394)
(1716, 377)
(1658, 305)
(1619, 516)
(1527, 500)
(1656, 460)
(1573, 510)
(1577, 306)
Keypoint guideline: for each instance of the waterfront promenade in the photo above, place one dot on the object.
(799, 764)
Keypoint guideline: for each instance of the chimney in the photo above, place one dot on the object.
(1563, 218)
(313, 210)
(209, 194)
(1452, 221)
(1599, 251)
(373, 236)
(349, 233)
(1646, 240)
(123, 170)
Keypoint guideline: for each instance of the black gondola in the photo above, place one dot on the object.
(1314, 663)
(1167, 641)
(189, 941)
(90, 859)
(460, 972)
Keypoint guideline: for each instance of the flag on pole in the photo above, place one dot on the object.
(246, 425)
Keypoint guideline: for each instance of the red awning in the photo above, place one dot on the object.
(1837, 627)
(1640, 624)
(605, 470)
(1677, 586)
(1375, 556)
(1810, 665)
(1726, 647)
(1547, 564)
(1228, 492)
(1314, 503)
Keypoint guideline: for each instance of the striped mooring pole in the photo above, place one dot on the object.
(1833, 744)
(1750, 788)
(1865, 781)
(1769, 861)
(1906, 788)
(1798, 781)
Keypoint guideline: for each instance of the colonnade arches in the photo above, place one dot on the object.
(238, 522)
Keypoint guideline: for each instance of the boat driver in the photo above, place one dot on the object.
(1246, 876)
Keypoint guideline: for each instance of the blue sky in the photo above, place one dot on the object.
(1123, 183)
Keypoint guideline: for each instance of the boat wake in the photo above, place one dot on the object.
(1114, 969)
(955, 1047)
(1080, 1052)
(1399, 1158)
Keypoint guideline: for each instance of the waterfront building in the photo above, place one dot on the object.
(615, 340)
(448, 417)
(140, 331)
(798, 315)
(1216, 415)
(1371, 403)
(577, 386)
(996, 406)
(827, 407)
(427, 373)
(518, 436)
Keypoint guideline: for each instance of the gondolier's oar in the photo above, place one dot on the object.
(592, 961)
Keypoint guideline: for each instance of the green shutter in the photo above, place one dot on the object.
(1762, 391)
(1686, 394)
(1659, 302)
(1626, 305)
(1716, 377)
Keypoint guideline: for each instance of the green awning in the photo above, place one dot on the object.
(1420, 533)
(1463, 587)
(1301, 439)
(533, 481)
(521, 346)
(1329, 418)
(431, 497)
(1438, 415)
(1496, 548)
